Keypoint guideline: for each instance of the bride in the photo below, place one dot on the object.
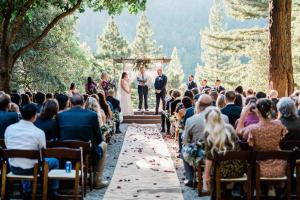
(124, 95)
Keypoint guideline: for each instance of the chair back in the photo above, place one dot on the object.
(297, 155)
(20, 153)
(233, 155)
(290, 144)
(276, 155)
(63, 153)
(74, 144)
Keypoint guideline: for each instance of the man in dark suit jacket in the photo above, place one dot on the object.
(232, 111)
(116, 106)
(218, 86)
(168, 110)
(6, 118)
(191, 84)
(160, 89)
(83, 125)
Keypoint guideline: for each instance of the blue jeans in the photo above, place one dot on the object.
(53, 163)
(189, 171)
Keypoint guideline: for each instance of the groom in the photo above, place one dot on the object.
(142, 80)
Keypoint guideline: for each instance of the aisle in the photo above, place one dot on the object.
(145, 169)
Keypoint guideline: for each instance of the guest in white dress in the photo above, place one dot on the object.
(124, 95)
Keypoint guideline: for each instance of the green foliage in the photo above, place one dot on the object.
(174, 71)
(111, 44)
(144, 44)
(56, 62)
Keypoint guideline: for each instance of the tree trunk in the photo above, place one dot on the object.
(5, 73)
(280, 51)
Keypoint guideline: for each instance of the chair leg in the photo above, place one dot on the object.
(249, 183)
(3, 186)
(289, 183)
(34, 182)
(45, 181)
(298, 179)
(76, 182)
(257, 182)
(200, 184)
(218, 183)
(91, 177)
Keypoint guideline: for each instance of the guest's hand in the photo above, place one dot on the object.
(207, 183)
(246, 110)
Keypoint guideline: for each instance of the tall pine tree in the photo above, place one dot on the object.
(111, 44)
(174, 71)
(144, 44)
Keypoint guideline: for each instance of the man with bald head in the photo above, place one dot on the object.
(194, 131)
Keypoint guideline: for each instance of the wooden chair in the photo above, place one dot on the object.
(268, 155)
(87, 155)
(28, 154)
(290, 144)
(232, 155)
(74, 155)
(297, 160)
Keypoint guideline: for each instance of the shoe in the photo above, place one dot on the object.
(100, 184)
(118, 132)
(190, 184)
(162, 130)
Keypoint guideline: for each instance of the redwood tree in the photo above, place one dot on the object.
(14, 12)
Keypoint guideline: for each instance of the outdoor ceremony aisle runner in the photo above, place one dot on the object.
(145, 169)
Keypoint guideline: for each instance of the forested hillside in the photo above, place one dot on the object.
(174, 22)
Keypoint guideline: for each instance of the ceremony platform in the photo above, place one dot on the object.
(144, 169)
(146, 117)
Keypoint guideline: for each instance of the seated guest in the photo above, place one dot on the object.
(104, 105)
(15, 108)
(93, 105)
(251, 117)
(265, 136)
(63, 102)
(194, 131)
(6, 118)
(289, 118)
(220, 103)
(189, 94)
(79, 124)
(250, 93)
(168, 109)
(16, 98)
(115, 105)
(273, 96)
(260, 95)
(214, 95)
(46, 120)
(102, 113)
(30, 95)
(231, 110)
(196, 94)
(191, 84)
(238, 100)
(39, 100)
(220, 137)
(176, 95)
(49, 96)
(218, 86)
(25, 100)
(24, 135)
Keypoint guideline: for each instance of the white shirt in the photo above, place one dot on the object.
(143, 77)
(24, 135)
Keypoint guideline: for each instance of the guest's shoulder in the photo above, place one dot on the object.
(277, 123)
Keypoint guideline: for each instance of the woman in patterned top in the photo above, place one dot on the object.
(264, 136)
(220, 137)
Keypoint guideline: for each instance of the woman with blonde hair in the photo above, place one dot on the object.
(220, 103)
(220, 137)
(93, 105)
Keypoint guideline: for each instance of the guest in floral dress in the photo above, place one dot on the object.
(264, 136)
(220, 137)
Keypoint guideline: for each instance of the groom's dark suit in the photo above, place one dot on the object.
(160, 84)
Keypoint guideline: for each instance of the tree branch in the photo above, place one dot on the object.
(39, 38)
(19, 20)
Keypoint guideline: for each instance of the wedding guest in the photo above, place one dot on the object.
(160, 89)
(238, 100)
(191, 84)
(30, 95)
(6, 118)
(261, 95)
(46, 120)
(116, 106)
(168, 109)
(24, 135)
(220, 103)
(90, 87)
(214, 95)
(83, 125)
(104, 106)
(102, 113)
(189, 94)
(93, 105)
(39, 100)
(16, 98)
(220, 137)
(63, 102)
(72, 90)
(143, 87)
(15, 108)
(250, 93)
(289, 118)
(240, 90)
(265, 136)
(105, 84)
(176, 95)
(196, 94)
(231, 110)
(273, 96)
(49, 96)
(25, 100)
(218, 86)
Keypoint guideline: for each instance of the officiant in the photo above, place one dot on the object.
(143, 83)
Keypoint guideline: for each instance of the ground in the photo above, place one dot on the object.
(112, 158)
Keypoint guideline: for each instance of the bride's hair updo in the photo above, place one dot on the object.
(123, 75)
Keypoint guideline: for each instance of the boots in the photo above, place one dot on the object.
(99, 183)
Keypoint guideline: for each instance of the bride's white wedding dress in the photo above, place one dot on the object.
(125, 98)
